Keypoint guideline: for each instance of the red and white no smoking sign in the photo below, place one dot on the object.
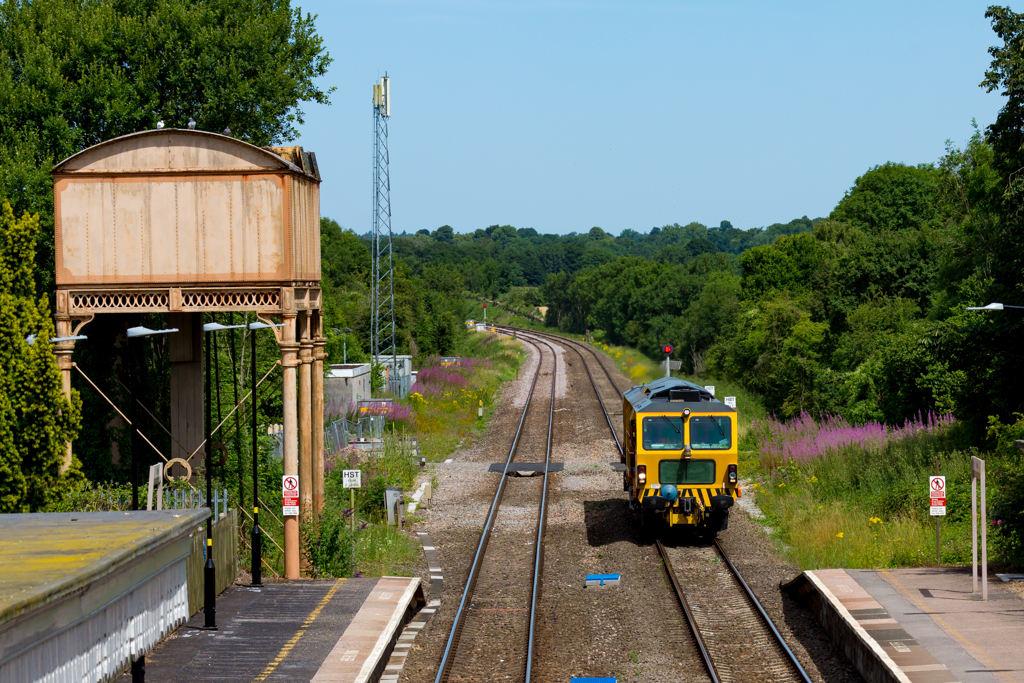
(937, 496)
(290, 494)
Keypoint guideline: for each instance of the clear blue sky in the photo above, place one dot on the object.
(565, 115)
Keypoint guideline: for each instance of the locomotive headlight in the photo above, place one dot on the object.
(686, 412)
(641, 474)
(732, 474)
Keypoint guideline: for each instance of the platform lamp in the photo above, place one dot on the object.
(139, 665)
(210, 571)
(991, 307)
(344, 332)
(133, 371)
(256, 538)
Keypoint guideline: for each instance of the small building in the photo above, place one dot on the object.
(397, 373)
(345, 386)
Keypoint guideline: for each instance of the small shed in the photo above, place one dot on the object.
(346, 385)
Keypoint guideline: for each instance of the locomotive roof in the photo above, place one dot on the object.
(654, 397)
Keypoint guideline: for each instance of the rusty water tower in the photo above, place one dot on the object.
(185, 222)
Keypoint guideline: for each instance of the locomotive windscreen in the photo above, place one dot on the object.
(709, 433)
(663, 433)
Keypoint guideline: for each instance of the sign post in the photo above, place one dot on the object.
(978, 473)
(730, 401)
(290, 494)
(667, 348)
(352, 480)
(937, 501)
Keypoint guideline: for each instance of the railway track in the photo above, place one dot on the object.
(576, 347)
(492, 635)
(735, 637)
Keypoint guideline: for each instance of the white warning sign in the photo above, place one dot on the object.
(937, 496)
(290, 494)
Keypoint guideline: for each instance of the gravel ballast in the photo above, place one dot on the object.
(633, 631)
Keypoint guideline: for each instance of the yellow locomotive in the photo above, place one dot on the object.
(680, 455)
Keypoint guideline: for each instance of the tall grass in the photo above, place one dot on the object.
(837, 500)
(445, 399)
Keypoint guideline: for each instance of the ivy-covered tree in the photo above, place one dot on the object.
(36, 420)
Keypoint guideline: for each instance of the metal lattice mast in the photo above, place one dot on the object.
(382, 297)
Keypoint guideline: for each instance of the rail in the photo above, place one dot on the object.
(447, 658)
(593, 384)
(705, 654)
(752, 599)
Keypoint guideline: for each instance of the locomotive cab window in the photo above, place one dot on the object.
(709, 433)
(663, 433)
(686, 471)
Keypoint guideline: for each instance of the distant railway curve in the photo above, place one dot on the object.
(530, 334)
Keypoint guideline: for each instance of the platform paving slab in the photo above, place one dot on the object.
(264, 634)
(919, 625)
(991, 633)
(363, 651)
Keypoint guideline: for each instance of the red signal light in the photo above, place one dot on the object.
(667, 349)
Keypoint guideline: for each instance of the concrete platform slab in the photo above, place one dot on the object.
(919, 625)
(288, 632)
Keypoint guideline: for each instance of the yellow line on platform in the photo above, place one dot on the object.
(298, 634)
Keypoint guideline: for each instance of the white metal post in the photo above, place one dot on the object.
(984, 537)
(974, 532)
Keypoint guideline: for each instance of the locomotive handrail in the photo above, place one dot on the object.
(764, 615)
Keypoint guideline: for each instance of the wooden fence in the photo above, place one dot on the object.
(225, 558)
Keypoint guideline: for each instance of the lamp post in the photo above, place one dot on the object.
(256, 538)
(210, 571)
(344, 332)
(133, 371)
(139, 665)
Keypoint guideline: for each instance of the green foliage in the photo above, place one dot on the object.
(36, 420)
(75, 73)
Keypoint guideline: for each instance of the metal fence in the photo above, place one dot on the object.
(181, 498)
(173, 499)
(341, 433)
(398, 386)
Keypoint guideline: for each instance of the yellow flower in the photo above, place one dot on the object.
(782, 484)
(839, 535)
(814, 480)
(820, 506)
(875, 520)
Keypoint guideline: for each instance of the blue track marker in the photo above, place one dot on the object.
(602, 580)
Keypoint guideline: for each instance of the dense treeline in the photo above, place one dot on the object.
(495, 259)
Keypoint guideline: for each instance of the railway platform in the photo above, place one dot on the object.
(332, 631)
(919, 625)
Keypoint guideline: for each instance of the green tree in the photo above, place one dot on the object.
(74, 73)
(36, 420)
